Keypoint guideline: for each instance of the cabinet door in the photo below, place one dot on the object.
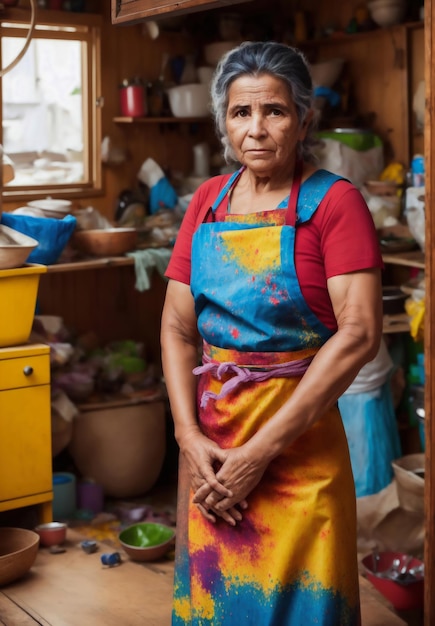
(25, 442)
(129, 11)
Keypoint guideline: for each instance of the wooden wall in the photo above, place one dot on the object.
(382, 83)
(105, 302)
(376, 66)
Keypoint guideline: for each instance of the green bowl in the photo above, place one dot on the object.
(147, 541)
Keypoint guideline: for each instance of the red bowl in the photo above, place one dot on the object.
(51, 533)
(402, 597)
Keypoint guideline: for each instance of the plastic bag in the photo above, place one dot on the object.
(416, 310)
(415, 213)
(355, 156)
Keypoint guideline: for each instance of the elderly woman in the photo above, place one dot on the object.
(277, 270)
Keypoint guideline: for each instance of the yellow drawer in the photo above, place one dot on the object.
(26, 371)
(25, 443)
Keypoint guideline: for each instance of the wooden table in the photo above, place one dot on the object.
(74, 588)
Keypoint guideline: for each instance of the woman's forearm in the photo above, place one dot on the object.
(179, 344)
(178, 360)
(330, 373)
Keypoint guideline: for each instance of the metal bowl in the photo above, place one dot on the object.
(393, 300)
(105, 242)
(403, 596)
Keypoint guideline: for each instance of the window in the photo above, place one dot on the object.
(51, 127)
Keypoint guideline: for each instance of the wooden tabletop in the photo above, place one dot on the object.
(74, 588)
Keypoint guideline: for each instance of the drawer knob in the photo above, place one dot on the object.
(28, 370)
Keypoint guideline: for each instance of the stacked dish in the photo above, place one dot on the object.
(50, 207)
(387, 12)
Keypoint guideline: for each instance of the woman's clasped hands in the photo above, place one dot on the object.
(221, 479)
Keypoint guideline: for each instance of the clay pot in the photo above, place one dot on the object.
(61, 433)
(120, 446)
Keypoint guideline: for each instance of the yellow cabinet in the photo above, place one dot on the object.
(25, 429)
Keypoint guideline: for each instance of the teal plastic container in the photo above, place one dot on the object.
(64, 496)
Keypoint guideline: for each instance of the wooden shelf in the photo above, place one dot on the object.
(95, 263)
(343, 37)
(161, 120)
(90, 264)
(410, 259)
(400, 323)
(396, 323)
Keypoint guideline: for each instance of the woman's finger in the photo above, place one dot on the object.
(206, 513)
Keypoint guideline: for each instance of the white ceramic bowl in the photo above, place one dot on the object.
(213, 52)
(326, 73)
(15, 247)
(190, 100)
(387, 12)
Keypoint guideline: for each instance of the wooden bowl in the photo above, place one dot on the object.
(382, 187)
(107, 242)
(147, 541)
(18, 550)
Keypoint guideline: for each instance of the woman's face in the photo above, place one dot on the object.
(262, 124)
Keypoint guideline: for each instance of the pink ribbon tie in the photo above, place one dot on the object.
(245, 374)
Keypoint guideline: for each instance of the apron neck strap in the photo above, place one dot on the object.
(291, 215)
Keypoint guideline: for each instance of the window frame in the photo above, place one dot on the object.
(86, 28)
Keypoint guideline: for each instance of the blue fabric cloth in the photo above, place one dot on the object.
(51, 234)
(370, 423)
(332, 96)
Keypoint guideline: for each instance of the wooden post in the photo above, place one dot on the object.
(429, 140)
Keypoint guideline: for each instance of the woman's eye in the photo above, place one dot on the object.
(242, 113)
(276, 112)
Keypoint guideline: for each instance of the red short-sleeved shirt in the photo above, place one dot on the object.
(339, 239)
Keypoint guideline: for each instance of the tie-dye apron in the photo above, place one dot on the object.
(292, 560)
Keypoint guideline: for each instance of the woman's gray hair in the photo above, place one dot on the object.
(256, 58)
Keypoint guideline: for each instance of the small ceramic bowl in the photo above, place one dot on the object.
(147, 541)
(52, 533)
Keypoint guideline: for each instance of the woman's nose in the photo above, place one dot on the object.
(257, 127)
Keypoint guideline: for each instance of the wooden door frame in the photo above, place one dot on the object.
(429, 340)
